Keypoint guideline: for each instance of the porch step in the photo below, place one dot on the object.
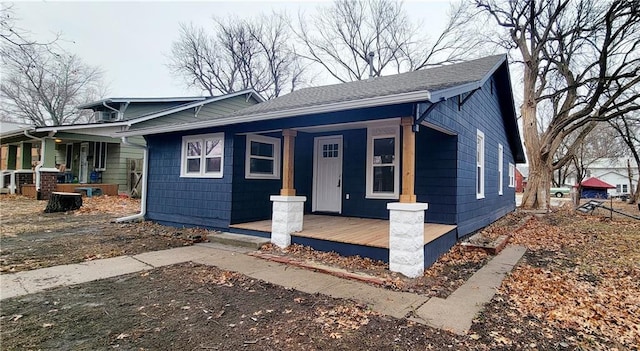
(233, 239)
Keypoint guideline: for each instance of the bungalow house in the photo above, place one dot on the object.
(350, 167)
(73, 156)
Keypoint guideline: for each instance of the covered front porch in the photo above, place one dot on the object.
(354, 236)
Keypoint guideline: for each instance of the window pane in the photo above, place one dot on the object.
(383, 150)
(214, 147)
(479, 180)
(193, 148)
(213, 164)
(261, 166)
(383, 179)
(261, 149)
(193, 165)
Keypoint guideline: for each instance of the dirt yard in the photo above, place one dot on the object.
(31, 239)
(577, 288)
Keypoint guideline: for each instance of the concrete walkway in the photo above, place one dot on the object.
(454, 313)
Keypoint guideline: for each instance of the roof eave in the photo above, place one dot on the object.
(140, 119)
(422, 95)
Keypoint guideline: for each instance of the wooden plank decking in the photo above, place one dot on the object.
(350, 230)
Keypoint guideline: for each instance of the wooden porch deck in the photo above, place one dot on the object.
(349, 230)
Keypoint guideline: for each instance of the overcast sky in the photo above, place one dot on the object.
(131, 40)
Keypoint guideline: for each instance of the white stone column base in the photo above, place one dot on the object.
(406, 238)
(286, 218)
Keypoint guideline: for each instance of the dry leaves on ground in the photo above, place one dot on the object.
(583, 274)
(117, 205)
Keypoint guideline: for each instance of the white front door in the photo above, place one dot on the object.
(327, 174)
(83, 170)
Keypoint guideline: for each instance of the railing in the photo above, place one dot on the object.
(8, 179)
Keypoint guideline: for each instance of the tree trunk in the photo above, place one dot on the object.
(633, 195)
(63, 202)
(536, 193)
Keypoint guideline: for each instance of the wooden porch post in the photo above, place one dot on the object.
(287, 161)
(408, 161)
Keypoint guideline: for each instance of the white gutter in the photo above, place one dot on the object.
(145, 171)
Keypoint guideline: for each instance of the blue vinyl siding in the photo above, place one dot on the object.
(201, 202)
(250, 196)
(436, 171)
(481, 111)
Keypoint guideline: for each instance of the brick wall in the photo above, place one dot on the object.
(48, 181)
(21, 179)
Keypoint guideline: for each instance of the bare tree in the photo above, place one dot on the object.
(628, 128)
(239, 54)
(42, 87)
(341, 37)
(579, 57)
(10, 34)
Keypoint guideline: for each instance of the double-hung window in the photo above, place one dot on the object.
(262, 157)
(202, 156)
(512, 175)
(480, 165)
(500, 169)
(383, 163)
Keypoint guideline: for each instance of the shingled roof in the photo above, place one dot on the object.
(429, 80)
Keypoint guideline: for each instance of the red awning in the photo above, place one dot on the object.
(596, 183)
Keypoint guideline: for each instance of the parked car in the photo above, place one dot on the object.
(560, 192)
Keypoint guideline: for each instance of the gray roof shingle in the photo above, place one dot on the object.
(433, 79)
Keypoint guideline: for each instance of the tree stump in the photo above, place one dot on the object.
(63, 202)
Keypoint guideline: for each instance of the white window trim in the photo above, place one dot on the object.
(379, 132)
(512, 175)
(276, 157)
(480, 149)
(97, 149)
(183, 156)
(500, 169)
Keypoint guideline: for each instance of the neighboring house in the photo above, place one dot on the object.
(7, 127)
(522, 175)
(80, 154)
(614, 171)
(520, 182)
(378, 151)
(594, 188)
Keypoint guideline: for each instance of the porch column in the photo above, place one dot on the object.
(12, 157)
(406, 238)
(408, 161)
(25, 155)
(288, 209)
(48, 153)
(286, 218)
(287, 163)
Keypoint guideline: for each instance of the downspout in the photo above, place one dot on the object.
(143, 202)
(112, 109)
(41, 160)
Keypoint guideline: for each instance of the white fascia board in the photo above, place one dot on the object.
(76, 127)
(300, 111)
(193, 105)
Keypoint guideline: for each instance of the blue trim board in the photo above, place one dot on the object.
(344, 249)
(436, 248)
